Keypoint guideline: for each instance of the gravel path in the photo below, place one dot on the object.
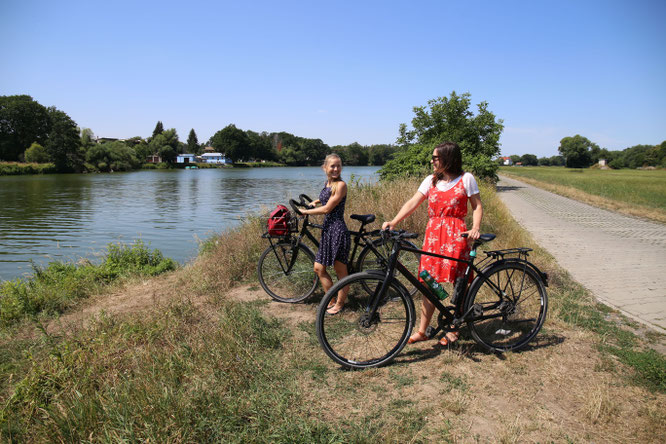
(620, 259)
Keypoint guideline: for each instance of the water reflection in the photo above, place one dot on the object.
(51, 217)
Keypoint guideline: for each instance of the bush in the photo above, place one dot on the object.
(36, 154)
(15, 168)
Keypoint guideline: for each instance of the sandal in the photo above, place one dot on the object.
(449, 338)
(333, 313)
(331, 303)
(417, 337)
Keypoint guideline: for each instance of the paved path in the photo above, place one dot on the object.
(620, 259)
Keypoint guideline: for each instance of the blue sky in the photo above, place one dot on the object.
(344, 71)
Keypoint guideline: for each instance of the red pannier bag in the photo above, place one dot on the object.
(278, 221)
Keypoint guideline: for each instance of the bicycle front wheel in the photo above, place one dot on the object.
(286, 272)
(368, 260)
(356, 338)
(508, 320)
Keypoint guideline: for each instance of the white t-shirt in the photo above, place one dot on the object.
(469, 183)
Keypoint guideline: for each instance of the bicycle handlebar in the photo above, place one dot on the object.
(294, 204)
(399, 234)
(304, 198)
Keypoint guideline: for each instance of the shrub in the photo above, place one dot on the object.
(36, 153)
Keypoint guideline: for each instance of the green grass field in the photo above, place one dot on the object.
(645, 188)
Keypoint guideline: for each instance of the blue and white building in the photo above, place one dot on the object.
(215, 158)
(186, 158)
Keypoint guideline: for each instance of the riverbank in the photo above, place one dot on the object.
(16, 168)
(201, 354)
(19, 168)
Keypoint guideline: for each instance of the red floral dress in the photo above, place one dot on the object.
(446, 220)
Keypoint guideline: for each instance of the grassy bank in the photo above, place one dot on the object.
(16, 168)
(209, 358)
(53, 289)
(635, 192)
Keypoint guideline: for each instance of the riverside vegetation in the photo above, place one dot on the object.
(201, 354)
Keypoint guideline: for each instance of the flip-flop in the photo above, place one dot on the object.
(328, 312)
(447, 340)
(414, 338)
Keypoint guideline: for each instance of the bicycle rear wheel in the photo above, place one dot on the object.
(368, 260)
(355, 339)
(510, 321)
(283, 283)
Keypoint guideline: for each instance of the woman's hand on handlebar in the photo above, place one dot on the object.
(388, 226)
(472, 234)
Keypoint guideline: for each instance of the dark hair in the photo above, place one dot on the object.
(450, 161)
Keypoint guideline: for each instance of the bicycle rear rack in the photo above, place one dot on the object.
(499, 254)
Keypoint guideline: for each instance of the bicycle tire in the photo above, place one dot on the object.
(353, 341)
(368, 260)
(295, 286)
(518, 319)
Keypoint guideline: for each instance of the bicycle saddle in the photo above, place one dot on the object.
(364, 218)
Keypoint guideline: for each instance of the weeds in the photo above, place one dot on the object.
(58, 286)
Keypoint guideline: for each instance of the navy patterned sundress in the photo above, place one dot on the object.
(335, 239)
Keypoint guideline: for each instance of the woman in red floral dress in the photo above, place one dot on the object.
(448, 190)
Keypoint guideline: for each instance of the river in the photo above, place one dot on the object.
(70, 216)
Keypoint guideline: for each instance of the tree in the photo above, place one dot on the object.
(448, 118)
(661, 154)
(515, 158)
(543, 161)
(159, 128)
(529, 160)
(233, 142)
(638, 156)
(111, 156)
(166, 145)
(261, 145)
(63, 141)
(577, 151)
(193, 143)
(356, 154)
(22, 122)
(36, 153)
(557, 161)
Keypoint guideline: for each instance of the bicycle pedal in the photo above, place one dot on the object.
(430, 332)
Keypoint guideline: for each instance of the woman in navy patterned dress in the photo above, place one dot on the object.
(335, 239)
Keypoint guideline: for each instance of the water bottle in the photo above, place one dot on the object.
(434, 285)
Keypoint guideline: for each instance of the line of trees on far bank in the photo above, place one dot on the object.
(579, 152)
(31, 132)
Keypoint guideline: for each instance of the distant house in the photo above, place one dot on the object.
(155, 158)
(506, 161)
(215, 158)
(105, 139)
(602, 162)
(185, 159)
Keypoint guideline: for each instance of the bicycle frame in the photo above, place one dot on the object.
(447, 319)
(359, 240)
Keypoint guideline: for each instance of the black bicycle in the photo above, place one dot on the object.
(504, 306)
(286, 267)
